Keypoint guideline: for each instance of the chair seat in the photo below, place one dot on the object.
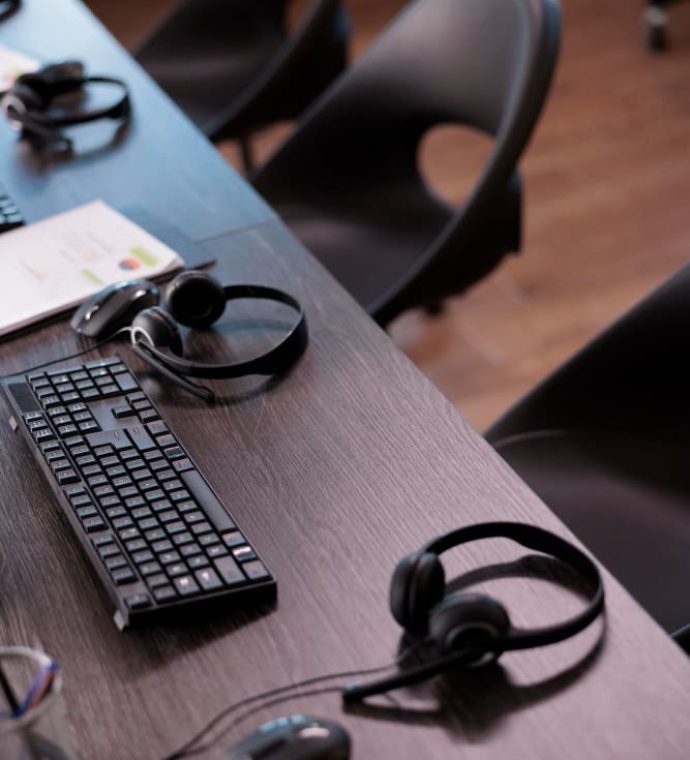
(627, 498)
(368, 250)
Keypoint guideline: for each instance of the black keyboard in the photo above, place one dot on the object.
(10, 215)
(156, 533)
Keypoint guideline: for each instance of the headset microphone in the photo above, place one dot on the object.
(201, 391)
(355, 693)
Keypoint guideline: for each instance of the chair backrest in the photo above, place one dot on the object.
(304, 65)
(202, 27)
(485, 64)
(228, 47)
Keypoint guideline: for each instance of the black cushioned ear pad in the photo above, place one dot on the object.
(418, 585)
(157, 328)
(463, 618)
(195, 299)
(29, 96)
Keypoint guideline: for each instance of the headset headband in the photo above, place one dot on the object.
(545, 542)
(279, 359)
(8, 7)
(118, 110)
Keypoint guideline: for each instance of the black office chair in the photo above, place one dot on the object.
(233, 67)
(348, 182)
(605, 442)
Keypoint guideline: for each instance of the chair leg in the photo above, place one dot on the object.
(246, 155)
(656, 21)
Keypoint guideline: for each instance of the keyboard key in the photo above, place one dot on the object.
(127, 533)
(138, 601)
(164, 594)
(235, 538)
(157, 428)
(125, 382)
(183, 464)
(140, 438)
(229, 571)
(93, 524)
(180, 539)
(199, 561)
(207, 500)
(123, 522)
(178, 568)
(109, 550)
(149, 568)
(186, 585)
(123, 575)
(122, 412)
(159, 579)
(243, 553)
(115, 563)
(174, 452)
(67, 476)
(157, 534)
(115, 438)
(255, 570)
(208, 579)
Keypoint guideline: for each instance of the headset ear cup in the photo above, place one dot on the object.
(28, 95)
(463, 619)
(195, 299)
(157, 328)
(418, 585)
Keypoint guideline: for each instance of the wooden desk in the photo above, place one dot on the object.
(334, 472)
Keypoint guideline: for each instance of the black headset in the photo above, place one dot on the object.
(469, 629)
(197, 300)
(8, 8)
(28, 104)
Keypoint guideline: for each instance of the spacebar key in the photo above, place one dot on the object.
(207, 500)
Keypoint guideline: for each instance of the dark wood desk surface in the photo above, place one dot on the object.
(334, 472)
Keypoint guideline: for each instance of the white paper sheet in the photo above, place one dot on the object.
(12, 64)
(57, 263)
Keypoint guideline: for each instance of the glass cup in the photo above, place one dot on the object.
(40, 731)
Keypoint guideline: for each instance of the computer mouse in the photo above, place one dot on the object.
(297, 737)
(114, 307)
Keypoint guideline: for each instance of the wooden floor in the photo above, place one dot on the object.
(607, 181)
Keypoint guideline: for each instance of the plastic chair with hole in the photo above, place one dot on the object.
(233, 66)
(348, 183)
(605, 442)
